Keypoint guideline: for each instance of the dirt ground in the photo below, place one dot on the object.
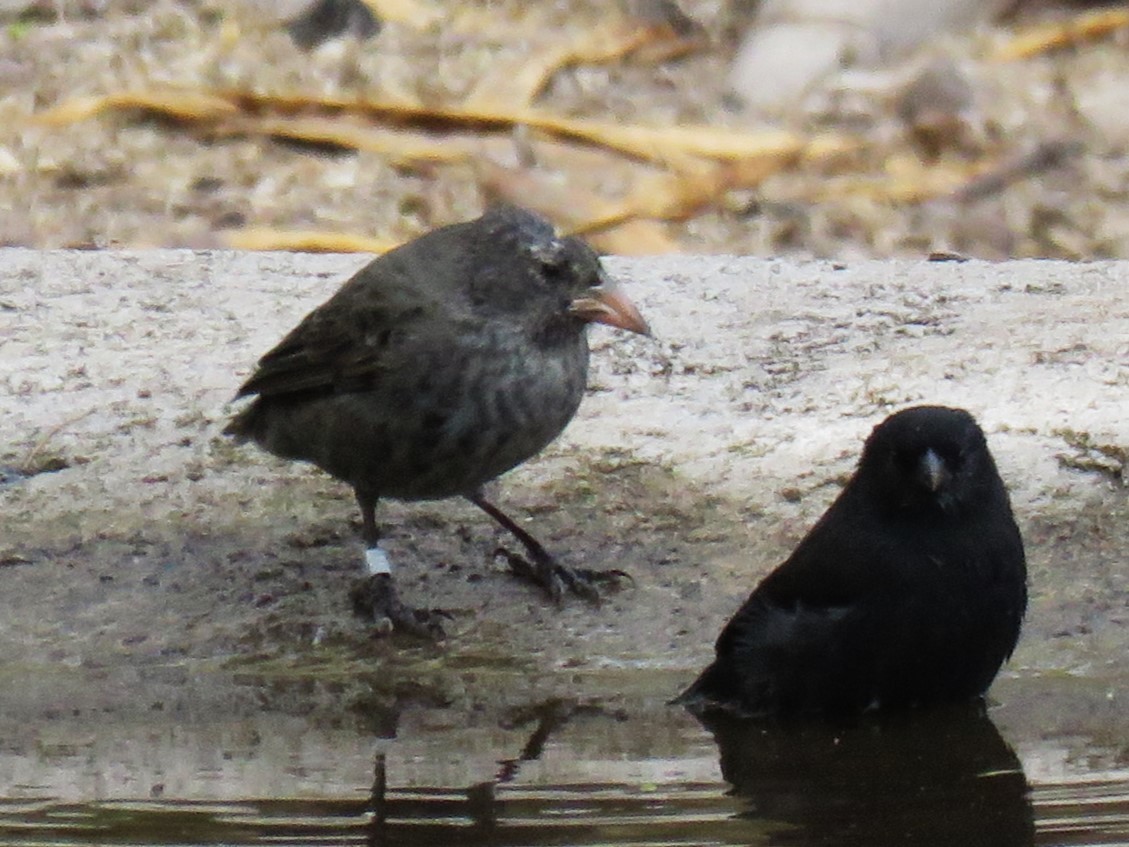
(146, 563)
(135, 537)
(1032, 165)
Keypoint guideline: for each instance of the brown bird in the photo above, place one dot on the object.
(439, 366)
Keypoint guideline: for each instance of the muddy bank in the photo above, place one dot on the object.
(137, 542)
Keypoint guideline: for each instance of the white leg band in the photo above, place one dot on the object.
(377, 561)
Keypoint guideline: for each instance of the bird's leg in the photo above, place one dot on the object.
(375, 597)
(540, 568)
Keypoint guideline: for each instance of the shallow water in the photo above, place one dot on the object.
(1049, 764)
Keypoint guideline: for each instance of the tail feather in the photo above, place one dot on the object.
(713, 689)
(246, 425)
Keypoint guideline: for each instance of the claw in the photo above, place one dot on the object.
(612, 577)
(375, 598)
(555, 579)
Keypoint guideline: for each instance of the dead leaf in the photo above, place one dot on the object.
(401, 147)
(520, 81)
(573, 208)
(1044, 38)
(304, 241)
(176, 103)
(635, 238)
(906, 180)
(665, 145)
(411, 13)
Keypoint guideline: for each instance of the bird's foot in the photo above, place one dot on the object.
(375, 599)
(555, 579)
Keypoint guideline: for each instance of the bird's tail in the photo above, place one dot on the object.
(715, 688)
(247, 425)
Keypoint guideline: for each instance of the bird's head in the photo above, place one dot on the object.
(585, 291)
(927, 460)
(559, 285)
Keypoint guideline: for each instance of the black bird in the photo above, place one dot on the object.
(910, 590)
(439, 366)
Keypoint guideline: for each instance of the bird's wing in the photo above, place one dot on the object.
(842, 560)
(417, 291)
(350, 343)
(787, 615)
(778, 654)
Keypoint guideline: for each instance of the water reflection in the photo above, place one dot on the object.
(622, 771)
(938, 778)
(509, 810)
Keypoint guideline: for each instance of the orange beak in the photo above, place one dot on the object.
(607, 304)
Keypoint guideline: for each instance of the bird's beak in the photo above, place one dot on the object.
(933, 471)
(607, 304)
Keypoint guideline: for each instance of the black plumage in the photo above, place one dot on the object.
(909, 590)
(439, 366)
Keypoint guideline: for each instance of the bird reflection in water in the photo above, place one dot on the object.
(478, 802)
(943, 777)
(919, 777)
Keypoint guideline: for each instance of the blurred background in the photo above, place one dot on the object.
(825, 128)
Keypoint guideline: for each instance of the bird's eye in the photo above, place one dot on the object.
(554, 270)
